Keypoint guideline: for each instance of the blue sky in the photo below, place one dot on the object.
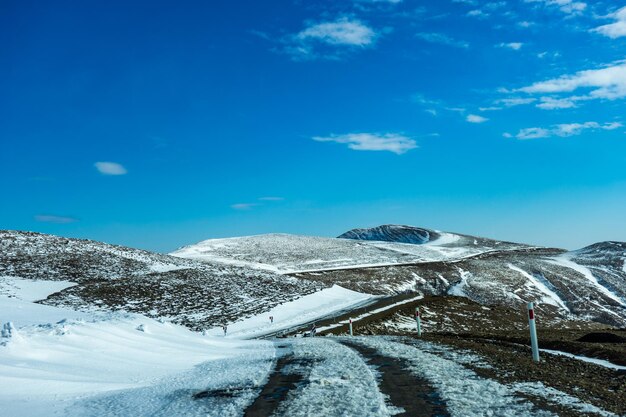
(157, 124)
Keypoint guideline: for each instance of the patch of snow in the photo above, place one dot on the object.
(458, 289)
(294, 313)
(554, 396)
(30, 290)
(161, 267)
(595, 361)
(550, 297)
(445, 239)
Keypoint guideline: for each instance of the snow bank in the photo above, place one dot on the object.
(294, 313)
(52, 357)
(595, 361)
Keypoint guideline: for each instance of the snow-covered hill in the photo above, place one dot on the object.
(284, 253)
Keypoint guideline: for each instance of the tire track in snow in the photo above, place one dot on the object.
(406, 391)
(465, 393)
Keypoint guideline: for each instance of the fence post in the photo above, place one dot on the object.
(351, 334)
(418, 320)
(533, 331)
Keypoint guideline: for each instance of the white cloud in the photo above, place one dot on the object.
(564, 130)
(392, 142)
(271, 198)
(605, 83)
(616, 29)
(440, 38)
(110, 168)
(243, 206)
(342, 34)
(474, 118)
(516, 46)
(571, 7)
(48, 218)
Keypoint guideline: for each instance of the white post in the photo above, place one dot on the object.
(533, 332)
(351, 334)
(418, 320)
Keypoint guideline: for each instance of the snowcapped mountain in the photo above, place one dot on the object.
(109, 277)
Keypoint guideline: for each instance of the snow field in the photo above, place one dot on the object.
(294, 313)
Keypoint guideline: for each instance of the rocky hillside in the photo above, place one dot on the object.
(109, 277)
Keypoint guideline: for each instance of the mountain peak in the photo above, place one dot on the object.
(393, 233)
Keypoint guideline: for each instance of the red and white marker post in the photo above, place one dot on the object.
(533, 332)
(418, 320)
(351, 334)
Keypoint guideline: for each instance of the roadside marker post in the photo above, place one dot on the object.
(533, 331)
(351, 334)
(418, 320)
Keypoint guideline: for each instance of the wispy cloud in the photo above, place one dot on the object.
(563, 130)
(477, 13)
(49, 218)
(616, 29)
(243, 206)
(271, 198)
(516, 46)
(551, 103)
(391, 142)
(442, 39)
(474, 118)
(607, 83)
(344, 33)
(570, 7)
(110, 168)
(515, 101)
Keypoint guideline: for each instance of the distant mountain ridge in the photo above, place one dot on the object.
(217, 280)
